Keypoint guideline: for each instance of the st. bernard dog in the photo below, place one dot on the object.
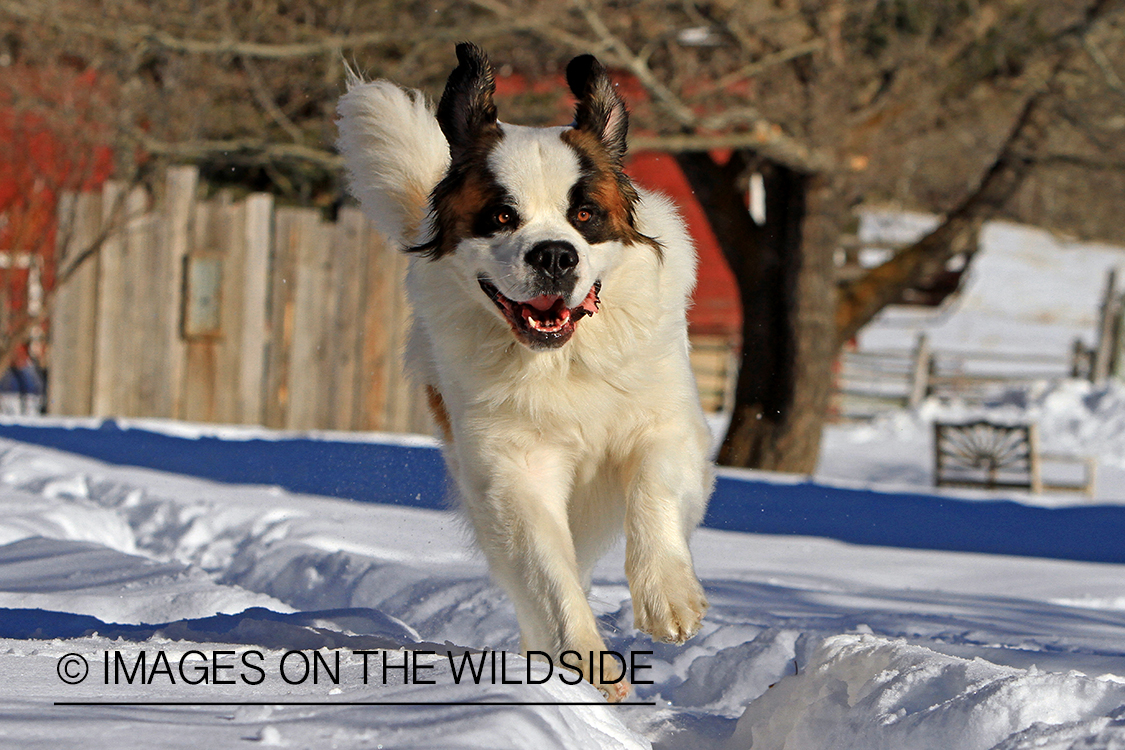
(549, 330)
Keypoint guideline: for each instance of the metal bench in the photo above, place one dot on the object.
(996, 456)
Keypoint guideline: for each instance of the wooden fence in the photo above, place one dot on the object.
(714, 362)
(872, 381)
(231, 311)
(242, 312)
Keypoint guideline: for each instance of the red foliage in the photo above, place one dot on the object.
(52, 141)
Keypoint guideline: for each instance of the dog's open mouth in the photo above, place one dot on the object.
(543, 322)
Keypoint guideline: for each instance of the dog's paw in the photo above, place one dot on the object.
(616, 692)
(669, 605)
(608, 676)
(602, 670)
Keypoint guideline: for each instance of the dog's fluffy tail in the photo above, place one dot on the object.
(395, 154)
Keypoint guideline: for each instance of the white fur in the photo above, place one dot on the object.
(395, 154)
(554, 452)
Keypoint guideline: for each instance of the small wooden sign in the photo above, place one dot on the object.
(203, 283)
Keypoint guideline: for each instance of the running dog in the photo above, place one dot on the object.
(549, 300)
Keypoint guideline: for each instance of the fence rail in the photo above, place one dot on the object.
(871, 381)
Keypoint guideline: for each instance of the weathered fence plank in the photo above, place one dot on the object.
(282, 285)
(231, 232)
(180, 186)
(201, 367)
(108, 315)
(255, 300)
(75, 315)
(148, 361)
(349, 281)
(314, 300)
(379, 357)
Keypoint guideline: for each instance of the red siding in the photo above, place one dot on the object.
(716, 308)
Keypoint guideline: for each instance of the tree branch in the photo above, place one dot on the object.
(764, 136)
(141, 34)
(1108, 73)
(861, 299)
(266, 102)
(247, 150)
(768, 61)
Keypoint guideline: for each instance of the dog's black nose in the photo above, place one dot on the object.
(554, 259)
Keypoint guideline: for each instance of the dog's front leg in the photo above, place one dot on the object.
(664, 503)
(518, 507)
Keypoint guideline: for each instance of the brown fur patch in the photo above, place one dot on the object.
(610, 188)
(466, 190)
(440, 415)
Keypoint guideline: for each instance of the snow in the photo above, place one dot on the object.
(889, 647)
(810, 642)
(865, 691)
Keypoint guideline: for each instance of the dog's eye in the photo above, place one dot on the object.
(503, 216)
(584, 215)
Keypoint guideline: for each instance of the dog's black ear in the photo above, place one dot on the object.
(600, 110)
(466, 111)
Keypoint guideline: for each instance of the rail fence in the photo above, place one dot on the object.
(872, 381)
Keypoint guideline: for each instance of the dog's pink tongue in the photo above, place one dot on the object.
(543, 302)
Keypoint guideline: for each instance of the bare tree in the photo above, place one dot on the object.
(970, 110)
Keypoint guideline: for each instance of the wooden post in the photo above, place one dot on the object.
(350, 280)
(920, 379)
(1103, 356)
(1117, 359)
(1033, 468)
(939, 468)
(73, 321)
(1079, 361)
(180, 185)
(255, 301)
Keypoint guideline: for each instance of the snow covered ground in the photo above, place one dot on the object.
(228, 591)
(864, 646)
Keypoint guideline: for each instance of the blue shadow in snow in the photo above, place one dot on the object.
(372, 472)
(415, 476)
(1093, 533)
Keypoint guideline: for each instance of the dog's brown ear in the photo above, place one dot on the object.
(466, 112)
(600, 110)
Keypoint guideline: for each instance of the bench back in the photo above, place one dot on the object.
(985, 454)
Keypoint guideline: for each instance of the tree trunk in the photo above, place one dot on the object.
(786, 282)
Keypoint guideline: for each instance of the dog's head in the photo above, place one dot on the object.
(534, 217)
